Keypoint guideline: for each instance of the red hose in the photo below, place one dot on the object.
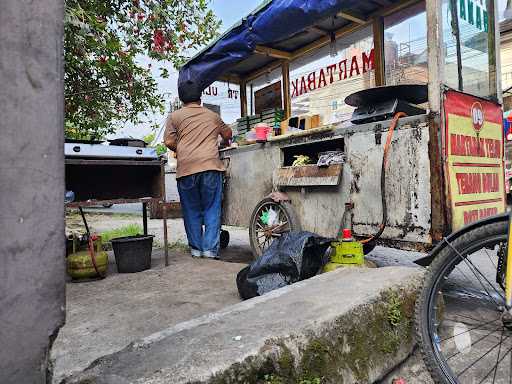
(93, 256)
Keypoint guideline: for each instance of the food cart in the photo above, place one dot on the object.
(443, 167)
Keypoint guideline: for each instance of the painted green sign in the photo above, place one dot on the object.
(474, 14)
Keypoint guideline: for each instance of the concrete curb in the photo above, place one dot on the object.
(349, 326)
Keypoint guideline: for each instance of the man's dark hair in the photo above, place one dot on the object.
(188, 93)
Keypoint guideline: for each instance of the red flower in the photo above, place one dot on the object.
(102, 59)
(158, 40)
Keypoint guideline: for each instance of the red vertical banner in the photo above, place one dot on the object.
(474, 157)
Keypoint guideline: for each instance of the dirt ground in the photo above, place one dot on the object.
(104, 316)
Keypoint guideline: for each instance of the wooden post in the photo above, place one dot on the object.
(378, 38)
(435, 54)
(287, 102)
(243, 98)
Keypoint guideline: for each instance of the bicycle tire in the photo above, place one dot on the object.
(478, 235)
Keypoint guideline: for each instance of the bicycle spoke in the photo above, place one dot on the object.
(470, 265)
(496, 367)
(473, 344)
(470, 318)
(487, 280)
(498, 358)
(469, 330)
(476, 361)
(491, 299)
(471, 282)
(487, 253)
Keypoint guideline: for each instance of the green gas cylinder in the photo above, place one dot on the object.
(345, 252)
(80, 262)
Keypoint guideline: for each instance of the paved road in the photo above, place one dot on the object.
(134, 209)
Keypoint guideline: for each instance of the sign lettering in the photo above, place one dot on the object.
(359, 64)
(474, 154)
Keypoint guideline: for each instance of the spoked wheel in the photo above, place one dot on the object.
(461, 320)
(269, 221)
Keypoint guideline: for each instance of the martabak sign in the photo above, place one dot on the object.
(343, 70)
(474, 158)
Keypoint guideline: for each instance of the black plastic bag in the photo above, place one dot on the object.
(295, 256)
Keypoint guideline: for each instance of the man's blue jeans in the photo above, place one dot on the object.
(201, 199)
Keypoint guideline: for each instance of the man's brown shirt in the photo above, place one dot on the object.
(192, 132)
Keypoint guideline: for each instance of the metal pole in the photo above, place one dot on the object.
(456, 32)
(85, 221)
(252, 99)
(145, 217)
(166, 243)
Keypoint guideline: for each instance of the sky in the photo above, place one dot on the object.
(229, 12)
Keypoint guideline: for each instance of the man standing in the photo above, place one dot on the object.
(193, 132)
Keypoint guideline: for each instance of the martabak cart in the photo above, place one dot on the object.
(444, 166)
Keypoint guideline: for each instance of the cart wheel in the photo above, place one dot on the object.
(262, 235)
(224, 239)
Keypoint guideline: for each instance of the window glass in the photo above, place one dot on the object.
(405, 46)
(223, 98)
(473, 22)
(320, 82)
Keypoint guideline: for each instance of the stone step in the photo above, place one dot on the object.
(353, 325)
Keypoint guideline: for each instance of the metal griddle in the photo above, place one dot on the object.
(382, 103)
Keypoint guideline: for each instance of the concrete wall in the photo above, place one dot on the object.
(32, 260)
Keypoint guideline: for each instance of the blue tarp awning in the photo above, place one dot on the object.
(279, 24)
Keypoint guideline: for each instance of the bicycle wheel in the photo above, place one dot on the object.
(262, 235)
(460, 326)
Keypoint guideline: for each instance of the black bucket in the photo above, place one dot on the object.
(133, 253)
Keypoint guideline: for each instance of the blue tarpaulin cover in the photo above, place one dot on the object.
(275, 21)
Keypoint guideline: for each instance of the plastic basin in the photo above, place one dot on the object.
(133, 253)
